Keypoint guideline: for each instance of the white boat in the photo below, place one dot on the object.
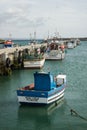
(77, 41)
(55, 52)
(70, 45)
(34, 63)
(46, 89)
(34, 59)
(73, 43)
(55, 55)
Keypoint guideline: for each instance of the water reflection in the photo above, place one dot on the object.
(39, 116)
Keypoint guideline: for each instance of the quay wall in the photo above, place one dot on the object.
(19, 48)
(6, 53)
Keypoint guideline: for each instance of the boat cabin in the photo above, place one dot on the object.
(44, 81)
(60, 79)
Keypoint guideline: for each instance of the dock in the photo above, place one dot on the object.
(20, 48)
(12, 57)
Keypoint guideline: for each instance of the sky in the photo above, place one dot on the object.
(24, 18)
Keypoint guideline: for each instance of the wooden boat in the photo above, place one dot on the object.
(46, 89)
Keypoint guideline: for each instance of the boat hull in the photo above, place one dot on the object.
(40, 97)
(55, 55)
(34, 63)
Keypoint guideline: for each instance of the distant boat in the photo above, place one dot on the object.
(46, 89)
(33, 59)
(77, 41)
(73, 43)
(8, 43)
(70, 45)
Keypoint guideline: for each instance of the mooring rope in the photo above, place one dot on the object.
(74, 113)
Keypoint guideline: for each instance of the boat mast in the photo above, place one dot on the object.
(34, 36)
(10, 36)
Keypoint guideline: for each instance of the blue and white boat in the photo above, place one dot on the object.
(46, 89)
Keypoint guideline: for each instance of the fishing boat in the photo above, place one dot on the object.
(34, 63)
(55, 52)
(33, 59)
(8, 43)
(70, 45)
(77, 41)
(46, 89)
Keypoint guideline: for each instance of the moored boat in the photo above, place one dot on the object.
(33, 59)
(8, 43)
(34, 63)
(73, 43)
(70, 45)
(46, 89)
(55, 52)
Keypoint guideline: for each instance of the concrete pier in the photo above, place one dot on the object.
(20, 48)
(10, 57)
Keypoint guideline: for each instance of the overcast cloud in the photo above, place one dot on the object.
(20, 18)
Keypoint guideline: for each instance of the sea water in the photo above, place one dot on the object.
(13, 116)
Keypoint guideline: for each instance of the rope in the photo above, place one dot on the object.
(74, 113)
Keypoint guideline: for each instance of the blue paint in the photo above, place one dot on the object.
(44, 81)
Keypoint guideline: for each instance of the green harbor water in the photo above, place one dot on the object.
(52, 117)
